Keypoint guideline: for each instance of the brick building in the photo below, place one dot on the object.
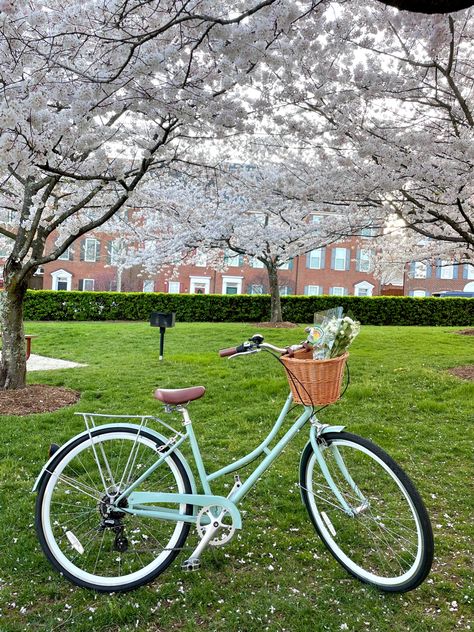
(91, 264)
(422, 279)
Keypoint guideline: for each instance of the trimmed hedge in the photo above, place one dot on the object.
(376, 310)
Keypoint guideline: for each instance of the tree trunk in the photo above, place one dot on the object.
(13, 367)
(275, 316)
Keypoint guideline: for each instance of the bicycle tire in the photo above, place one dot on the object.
(388, 542)
(70, 511)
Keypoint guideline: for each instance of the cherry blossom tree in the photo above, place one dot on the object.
(96, 96)
(235, 209)
(391, 119)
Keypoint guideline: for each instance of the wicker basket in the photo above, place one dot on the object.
(314, 381)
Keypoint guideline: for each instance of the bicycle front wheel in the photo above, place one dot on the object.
(378, 529)
(94, 547)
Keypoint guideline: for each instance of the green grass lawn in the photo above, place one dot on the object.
(276, 574)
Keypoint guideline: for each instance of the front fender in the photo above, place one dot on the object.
(313, 442)
(57, 456)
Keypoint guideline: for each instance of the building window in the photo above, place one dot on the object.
(200, 260)
(91, 249)
(313, 290)
(337, 291)
(174, 287)
(368, 232)
(446, 270)
(233, 260)
(420, 270)
(67, 255)
(285, 290)
(286, 266)
(199, 285)
(364, 288)
(468, 271)
(86, 285)
(315, 259)
(340, 259)
(231, 285)
(255, 288)
(419, 293)
(113, 252)
(364, 260)
(256, 263)
(148, 285)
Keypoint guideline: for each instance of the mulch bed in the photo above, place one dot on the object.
(36, 398)
(464, 372)
(466, 332)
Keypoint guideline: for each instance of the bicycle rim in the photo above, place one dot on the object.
(387, 541)
(71, 520)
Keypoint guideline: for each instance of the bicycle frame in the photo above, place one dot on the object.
(137, 501)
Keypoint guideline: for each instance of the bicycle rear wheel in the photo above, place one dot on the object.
(385, 539)
(91, 546)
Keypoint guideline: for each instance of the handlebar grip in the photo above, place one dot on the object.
(228, 352)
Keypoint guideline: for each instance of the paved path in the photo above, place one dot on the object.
(42, 363)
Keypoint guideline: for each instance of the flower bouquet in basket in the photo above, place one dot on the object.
(315, 374)
(332, 333)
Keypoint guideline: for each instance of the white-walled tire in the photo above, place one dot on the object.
(70, 511)
(387, 541)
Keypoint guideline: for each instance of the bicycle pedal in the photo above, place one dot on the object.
(193, 564)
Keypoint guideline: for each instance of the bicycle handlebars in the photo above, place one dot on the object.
(254, 344)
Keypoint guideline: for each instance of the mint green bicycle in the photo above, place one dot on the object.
(115, 503)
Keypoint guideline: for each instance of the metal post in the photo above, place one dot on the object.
(162, 341)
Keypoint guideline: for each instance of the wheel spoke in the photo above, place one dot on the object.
(95, 543)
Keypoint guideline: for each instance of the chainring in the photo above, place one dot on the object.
(216, 515)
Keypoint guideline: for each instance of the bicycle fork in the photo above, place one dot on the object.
(318, 445)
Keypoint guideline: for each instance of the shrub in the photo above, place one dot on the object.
(377, 310)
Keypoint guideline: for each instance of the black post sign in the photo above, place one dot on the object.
(163, 320)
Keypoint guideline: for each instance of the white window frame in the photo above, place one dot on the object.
(419, 293)
(255, 288)
(174, 287)
(148, 285)
(284, 290)
(61, 275)
(447, 270)
(364, 288)
(195, 281)
(66, 255)
(420, 270)
(90, 242)
(338, 257)
(231, 259)
(91, 282)
(317, 255)
(200, 260)
(256, 263)
(333, 292)
(114, 252)
(365, 259)
(470, 271)
(313, 290)
(232, 280)
(284, 266)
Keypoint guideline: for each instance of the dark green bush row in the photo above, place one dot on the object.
(379, 310)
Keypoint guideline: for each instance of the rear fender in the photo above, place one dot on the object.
(57, 456)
